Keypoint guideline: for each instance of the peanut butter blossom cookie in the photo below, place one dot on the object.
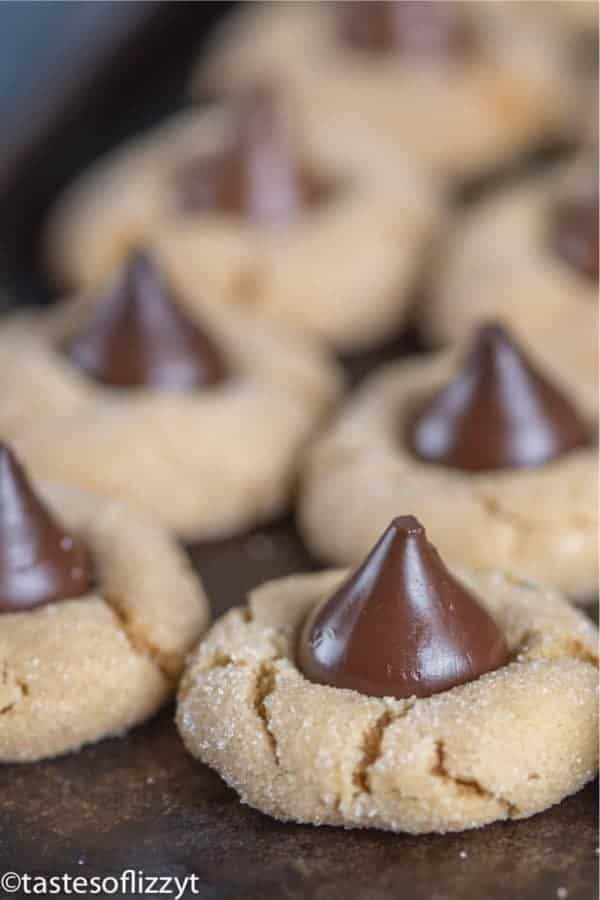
(197, 419)
(496, 456)
(98, 609)
(402, 696)
(268, 216)
(461, 87)
(528, 256)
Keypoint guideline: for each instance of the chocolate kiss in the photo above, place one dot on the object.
(497, 412)
(139, 337)
(40, 562)
(415, 28)
(401, 625)
(258, 176)
(576, 235)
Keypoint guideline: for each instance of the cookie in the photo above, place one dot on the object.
(527, 256)
(493, 453)
(199, 421)
(98, 609)
(330, 244)
(516, 736)
(573, 18)
(490, 85)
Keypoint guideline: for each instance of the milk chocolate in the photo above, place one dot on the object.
(401, 625)
(40, 561)
(498, 411)
(139, 337)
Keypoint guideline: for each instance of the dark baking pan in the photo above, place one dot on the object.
(141, 802)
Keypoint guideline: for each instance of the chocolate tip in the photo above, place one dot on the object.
(491, 333)
(260, 108)
(138, 263)
(138, 253)
(406, 525)
(263, 90)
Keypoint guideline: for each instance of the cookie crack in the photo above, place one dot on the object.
(492, 506)
(19, 683)
(139, 645)
(264, 686)
(523, 646)
(219, 659)
(524, 525)
(470, 785)
(572, 648)
(578, 650)
(372, 748)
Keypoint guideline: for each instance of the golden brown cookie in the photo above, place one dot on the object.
(466, 86)
(504, 746)
(75, 671)
(342, 269)
(537, 517)
(205, 458)
(527, 256)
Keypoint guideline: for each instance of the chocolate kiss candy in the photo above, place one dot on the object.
(40, 562)
(258, 176)
(576, 235)
(497, 412)
(424, 28)
(139, 337)
(401, 625)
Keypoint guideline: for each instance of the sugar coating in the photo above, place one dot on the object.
(513, 92)
(344, 272)
(540, 522)
(499, 263)
(505, 746)
(204, 463)
(76, 671)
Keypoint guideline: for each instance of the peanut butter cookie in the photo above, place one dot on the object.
(198, 418)
(309, 227)
(494, 453)
(98, 608)
(403, 697)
